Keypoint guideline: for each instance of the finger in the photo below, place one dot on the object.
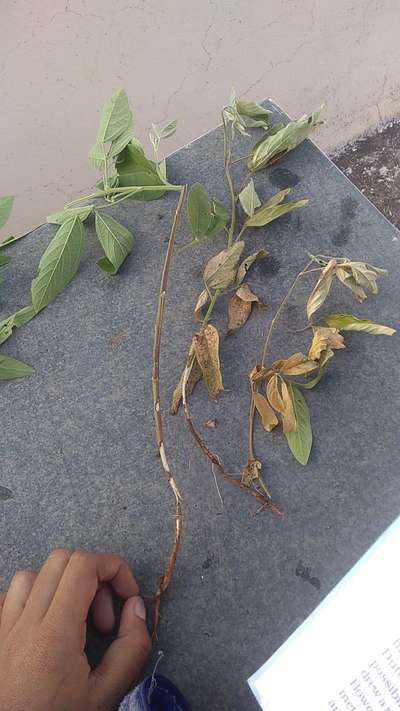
(125, 658)
(15, 600)
(80, 581)
(47, 582)
(102, 611)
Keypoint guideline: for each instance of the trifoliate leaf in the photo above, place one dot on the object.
(199, 210)
(6, 204)
(220, 271)
(290, 136)
(58, 218)
(300, 441)
(321, 289)
(249, 199)
(348, 322)
(59, 263)
(206, 346)
(116, 240)
(246, 264)
(264, 409)
(10, 368)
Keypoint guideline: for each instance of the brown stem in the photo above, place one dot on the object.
(214, 459)
(170, 565)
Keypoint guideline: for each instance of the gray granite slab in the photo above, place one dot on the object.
(77, 444)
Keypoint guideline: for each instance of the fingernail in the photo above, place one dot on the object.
(139, 608)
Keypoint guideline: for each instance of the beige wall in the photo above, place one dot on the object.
(60, 59)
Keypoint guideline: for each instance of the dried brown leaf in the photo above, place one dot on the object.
(323, 339)
(289, 418)
(206, 345)
(297, 364)
(201, 301)
(251, 472)
(268, 417)
(212, 424)
(195, 375)
(321, 289)
(239, 308)
(274, 395)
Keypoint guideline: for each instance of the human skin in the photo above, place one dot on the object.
(43, 626)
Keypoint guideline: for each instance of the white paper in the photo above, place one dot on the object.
(346, 655)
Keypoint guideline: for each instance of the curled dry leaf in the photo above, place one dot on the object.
(348, 322)
(297, 364)
(201, 302)
(325, 338)
(288, 414)
(274, 394)
(239, 308)
(212, 424)
(247, 263)
(321, 289)
(259, 373)
(264, 409)
(206, 346)
(220, 271)
(251, 472)
(195, 374)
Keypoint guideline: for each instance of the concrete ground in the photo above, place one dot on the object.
(373, 164)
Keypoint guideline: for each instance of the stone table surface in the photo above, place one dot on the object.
(78, 446)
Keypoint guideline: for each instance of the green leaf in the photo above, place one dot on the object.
(322, 367)
(300, 441)
(4, 260)
(10, 368)
(20, 318)
(135, 170)
(267, 213)
(253, 115)
(116, 240)
(118, 145)
(59, 263)
(6, 204)
(348, 322)
(246, 264)
(116, 120)
(168, 130)
(58, 218)
(199, 210)
(290, 136)
(220, 271)
(249, 199)
(219, 218)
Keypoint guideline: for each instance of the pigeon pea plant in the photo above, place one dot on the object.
(127, 173)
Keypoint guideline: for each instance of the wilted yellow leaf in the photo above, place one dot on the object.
(201, 301)
(325, 338)
(348, 322)
(268, 417)
(273, 394)
(206, 345)
(289, 418)
(195, 375)
(321, 289)
(297, 364)
(220, 271)
(260, 373)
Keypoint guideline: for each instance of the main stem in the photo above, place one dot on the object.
(170, 565)
(227, 160)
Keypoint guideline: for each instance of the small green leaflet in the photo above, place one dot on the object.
(219, 218)
(58, 218)
(199, 210)
(156, 134)
(249, 199)
(59, 263)
(10, 368)
(116, 122)
(116, 240)
(267, 213)
(20, 318)
(6, 204)
(348, 322)
(300, 441)
(135, 170)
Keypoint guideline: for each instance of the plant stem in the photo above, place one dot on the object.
(122, 191)
(227, 158)
(170, 565)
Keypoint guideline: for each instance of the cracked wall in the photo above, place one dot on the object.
(59, 61)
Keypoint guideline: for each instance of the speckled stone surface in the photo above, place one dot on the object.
(77, 444)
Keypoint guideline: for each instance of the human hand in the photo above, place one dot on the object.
(43, 665)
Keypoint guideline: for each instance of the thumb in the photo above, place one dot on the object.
(122, 663)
